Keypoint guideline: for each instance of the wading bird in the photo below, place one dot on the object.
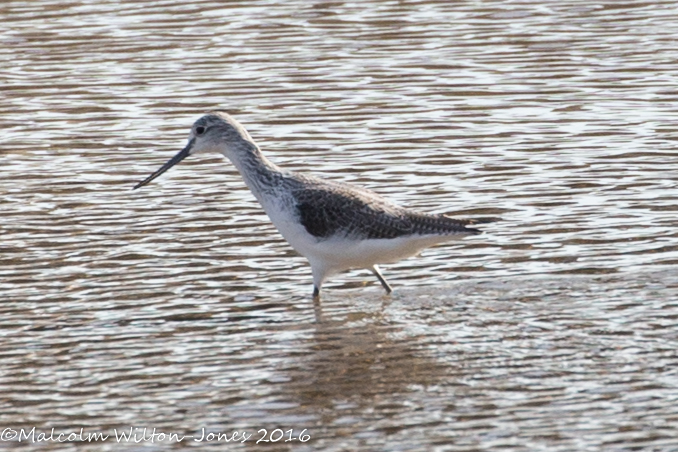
(336, 226)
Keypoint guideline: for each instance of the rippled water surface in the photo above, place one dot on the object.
(179, 307)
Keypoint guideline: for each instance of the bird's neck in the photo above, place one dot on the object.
(260, 174)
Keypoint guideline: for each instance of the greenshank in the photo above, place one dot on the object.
(336, 226)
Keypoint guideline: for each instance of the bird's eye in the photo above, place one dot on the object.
(199, 130)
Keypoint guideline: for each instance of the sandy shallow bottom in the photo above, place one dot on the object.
(179, 307)
(547, 363)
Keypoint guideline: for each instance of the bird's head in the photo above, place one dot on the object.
(214, 132)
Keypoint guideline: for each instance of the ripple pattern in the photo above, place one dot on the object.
(179, 306)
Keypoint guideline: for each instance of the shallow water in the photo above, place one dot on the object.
(178, 306)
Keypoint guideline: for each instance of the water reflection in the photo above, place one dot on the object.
(359, 361)
(181, 307)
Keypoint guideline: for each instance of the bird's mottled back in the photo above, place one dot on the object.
(329, 209)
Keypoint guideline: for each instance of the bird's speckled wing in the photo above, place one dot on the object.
(327, 209)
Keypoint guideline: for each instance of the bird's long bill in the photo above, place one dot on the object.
(173, 161)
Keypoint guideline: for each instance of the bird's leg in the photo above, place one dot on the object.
(320, 273)
(381, 279)
(317, 309)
